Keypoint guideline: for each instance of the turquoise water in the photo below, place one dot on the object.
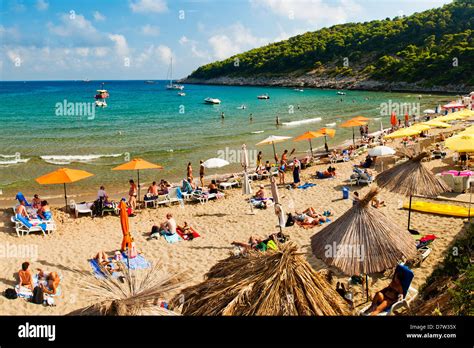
(148, 121)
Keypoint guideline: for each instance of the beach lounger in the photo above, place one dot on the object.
(204, 197)
(175, 195)
(409, 293)
(82, 208)
(229, 184)
(24, 226)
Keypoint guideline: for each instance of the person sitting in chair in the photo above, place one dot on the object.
(386, 297)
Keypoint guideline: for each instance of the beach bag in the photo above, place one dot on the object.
(11, 294)
(129, 211)
(289, 222)
(38, 295)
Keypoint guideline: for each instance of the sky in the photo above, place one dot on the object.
(136, 39)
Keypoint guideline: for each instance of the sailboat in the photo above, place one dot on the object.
(172, 85)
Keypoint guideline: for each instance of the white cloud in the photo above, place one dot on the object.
(316, 12)
(164, 53)
(183, 40)
(193, 46)
(98, 16)
(147, 6)
(42, 5)
(150, 30)
(121, 46)
(234, 39)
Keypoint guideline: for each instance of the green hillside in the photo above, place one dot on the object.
(434, 47)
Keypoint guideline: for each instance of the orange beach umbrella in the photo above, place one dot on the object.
(308, 136)
(360, 118)
(352, 124)
(137, 164)
(325, 132)
(127, 238)
(63, 176)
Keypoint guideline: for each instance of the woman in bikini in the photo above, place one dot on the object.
(132, 194)
(387, 296)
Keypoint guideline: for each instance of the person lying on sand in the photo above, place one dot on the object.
(186, 231)
(52, 280)
(251, 245)
(25, 276)
(387, 296)
(377, 203)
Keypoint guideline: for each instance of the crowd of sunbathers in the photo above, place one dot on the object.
(261, 244)
(328, 173)
(38, 209)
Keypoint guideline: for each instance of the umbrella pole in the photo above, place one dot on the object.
(367, 287)
(325, 142)
(274, 153)
(311, 147)
(353, 137)
(409, 213)
(470, 201)
(65, 197)
(138, 171)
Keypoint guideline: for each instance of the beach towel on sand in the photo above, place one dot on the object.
(185, 237)
(306, 185)
(138, 262)
(172, 238)
(26, 293)
(99, 274)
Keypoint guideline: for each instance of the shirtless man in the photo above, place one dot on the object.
(153, 189)
(169, 226)
(189, 171)
(21, 210)
(26, 278)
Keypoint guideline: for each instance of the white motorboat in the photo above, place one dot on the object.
(181, 94)
(341, 93)
(100, 97)
(242, 107)
(263, 96)
(212, 101)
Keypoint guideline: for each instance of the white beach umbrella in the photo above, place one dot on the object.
(381, 151)
(278, 207)
(215, 163)
(272, 139)
(429, 111)
(246, 188)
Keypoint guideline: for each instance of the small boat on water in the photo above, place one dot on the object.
(212, 101)
(341, 93)
(263, 96)
(298, 90)
(242, 107)
(100, 97)
(181, 94)
(331, 124)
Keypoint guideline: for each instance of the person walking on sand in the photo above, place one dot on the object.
(201, 173)
(282, 167)
(296, 171)
(189, 172)
(132, 195)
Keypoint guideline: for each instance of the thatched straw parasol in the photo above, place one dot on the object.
(363, 241)
(270, 283)
(138, 294)
(412, 178)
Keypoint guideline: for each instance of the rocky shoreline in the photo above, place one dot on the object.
(348, 83)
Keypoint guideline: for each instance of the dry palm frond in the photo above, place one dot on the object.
(138, 294)
(412, 178)
(363, 240)
(271, 283)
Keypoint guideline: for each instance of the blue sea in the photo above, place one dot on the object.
(148, 121)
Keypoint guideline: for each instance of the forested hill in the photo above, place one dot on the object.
(430, 48)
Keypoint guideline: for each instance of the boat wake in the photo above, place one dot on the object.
(300, 122)
(67, 159)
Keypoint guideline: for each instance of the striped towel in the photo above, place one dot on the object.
(138, 262)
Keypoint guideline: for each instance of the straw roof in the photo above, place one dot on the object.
(412, 178)
(363, 240)
(271, 283)
(139, 294)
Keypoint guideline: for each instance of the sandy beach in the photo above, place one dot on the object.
(219, 222)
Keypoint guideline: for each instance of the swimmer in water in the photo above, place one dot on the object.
(222, 114)
(251, 117)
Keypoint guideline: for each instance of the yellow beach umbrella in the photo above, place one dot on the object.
(138, 164)
(308, 136)
(63, 176)
(405, 132)
(465, 113)
(461, 143)
(420, 127)
(437, 124)
(451, 117)
(468, 130)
